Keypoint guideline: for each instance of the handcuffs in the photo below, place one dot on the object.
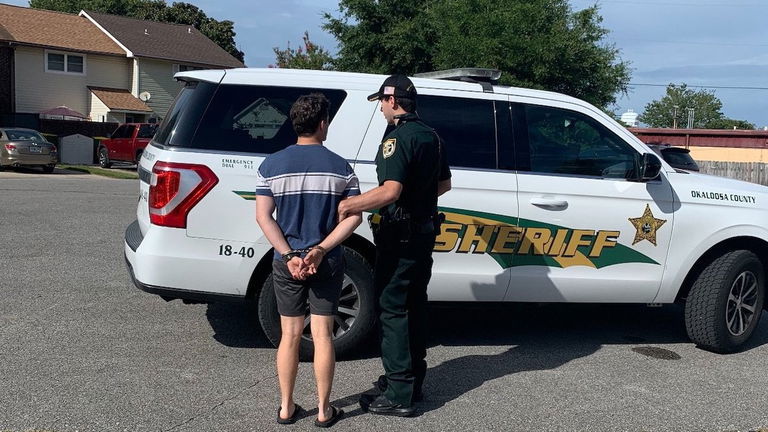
(293, 253)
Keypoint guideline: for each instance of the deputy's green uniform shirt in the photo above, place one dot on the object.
(412, 155)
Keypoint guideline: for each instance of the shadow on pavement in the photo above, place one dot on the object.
(236, 325)
(540, 338)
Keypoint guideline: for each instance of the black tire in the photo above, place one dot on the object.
(716, 311)
(48, 169)
(104, 161)
(359, 278)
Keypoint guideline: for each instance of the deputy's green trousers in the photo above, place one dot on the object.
(402, 272)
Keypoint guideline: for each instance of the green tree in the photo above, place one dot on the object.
(309, 56)
(727, 123)
(536, 43)
(222, 33)
(674, 105)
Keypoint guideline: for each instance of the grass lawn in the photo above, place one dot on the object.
(112, 172)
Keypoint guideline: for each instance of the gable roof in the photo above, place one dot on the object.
(174, 42)
(48, 29)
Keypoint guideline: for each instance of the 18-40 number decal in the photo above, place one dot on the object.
(228, 250)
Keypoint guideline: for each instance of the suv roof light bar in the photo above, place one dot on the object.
(485, 77)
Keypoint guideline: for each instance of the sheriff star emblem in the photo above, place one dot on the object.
(646, 226)
(388, 147)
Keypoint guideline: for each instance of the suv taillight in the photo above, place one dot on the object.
(10, 147)
(175, 189)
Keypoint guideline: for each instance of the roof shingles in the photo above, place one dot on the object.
(119, 100)
(175, 42)
(50, 29)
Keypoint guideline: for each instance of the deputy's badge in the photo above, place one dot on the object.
(646, 226)
(388, 147)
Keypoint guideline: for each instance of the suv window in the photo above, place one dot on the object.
(567, 142)
(240, 118)
(466, 127)
(123, 131)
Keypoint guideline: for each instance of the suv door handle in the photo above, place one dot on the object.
(550, 204)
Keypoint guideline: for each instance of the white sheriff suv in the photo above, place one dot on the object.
(552, 201)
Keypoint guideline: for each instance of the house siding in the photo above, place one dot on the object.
(38, 90)
(156, 77)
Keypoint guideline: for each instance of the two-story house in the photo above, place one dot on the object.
(107, 67)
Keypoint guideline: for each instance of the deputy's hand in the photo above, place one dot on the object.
(312, 261)
(297, 268)
(343, 210)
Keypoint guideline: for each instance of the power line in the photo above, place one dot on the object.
(701, 86)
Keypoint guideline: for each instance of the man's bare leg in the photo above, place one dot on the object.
(288, 361)
(325, 363)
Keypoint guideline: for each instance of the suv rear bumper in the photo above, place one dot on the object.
(133, 239)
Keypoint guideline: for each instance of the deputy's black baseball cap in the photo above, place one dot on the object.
(397, 85)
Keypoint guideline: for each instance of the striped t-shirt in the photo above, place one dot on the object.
(307, 183)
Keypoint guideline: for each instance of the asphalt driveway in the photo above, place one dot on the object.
(81, 349)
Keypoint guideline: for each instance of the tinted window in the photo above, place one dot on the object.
(679, 159)
(253, 118)
(466, 127)
(180, 124)
(146, 131)
(567, 142)
(120, 132)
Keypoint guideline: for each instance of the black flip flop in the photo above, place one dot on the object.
(337, 414)
(292, 419)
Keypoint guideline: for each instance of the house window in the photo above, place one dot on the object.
(64, 63)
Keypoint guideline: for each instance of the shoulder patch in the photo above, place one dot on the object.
(388, 147)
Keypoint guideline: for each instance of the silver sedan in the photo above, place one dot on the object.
(26, 147)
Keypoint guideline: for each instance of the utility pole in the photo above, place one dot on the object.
(674, 118)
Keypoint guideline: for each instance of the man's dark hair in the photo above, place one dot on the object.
(408, 104)
(307, 113)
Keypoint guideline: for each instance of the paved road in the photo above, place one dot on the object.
(82, 349)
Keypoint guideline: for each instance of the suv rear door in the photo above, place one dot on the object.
(590, 234)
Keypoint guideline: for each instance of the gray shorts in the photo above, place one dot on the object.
(322, 289)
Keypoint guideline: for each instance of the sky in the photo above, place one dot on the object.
(712, 43)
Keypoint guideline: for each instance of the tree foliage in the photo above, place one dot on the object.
(222, 33)
(536, 43)
(678, 100)
(308, 56)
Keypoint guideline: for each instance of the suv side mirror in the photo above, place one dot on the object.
(649, 167)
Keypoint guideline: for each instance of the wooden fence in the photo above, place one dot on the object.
(755, 172)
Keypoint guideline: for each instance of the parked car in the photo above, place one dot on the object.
(26, 147)
(677, 157)
(126, 143)
(551, 201)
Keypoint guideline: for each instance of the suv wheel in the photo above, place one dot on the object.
(48, 169)
(354, 320)
(104, 158)
(725, 302)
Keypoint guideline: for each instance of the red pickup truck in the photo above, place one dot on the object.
(126, 144)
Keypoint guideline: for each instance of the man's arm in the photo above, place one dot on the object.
(265, 206)
(340, 233)
(443, 186)
(375, 198)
